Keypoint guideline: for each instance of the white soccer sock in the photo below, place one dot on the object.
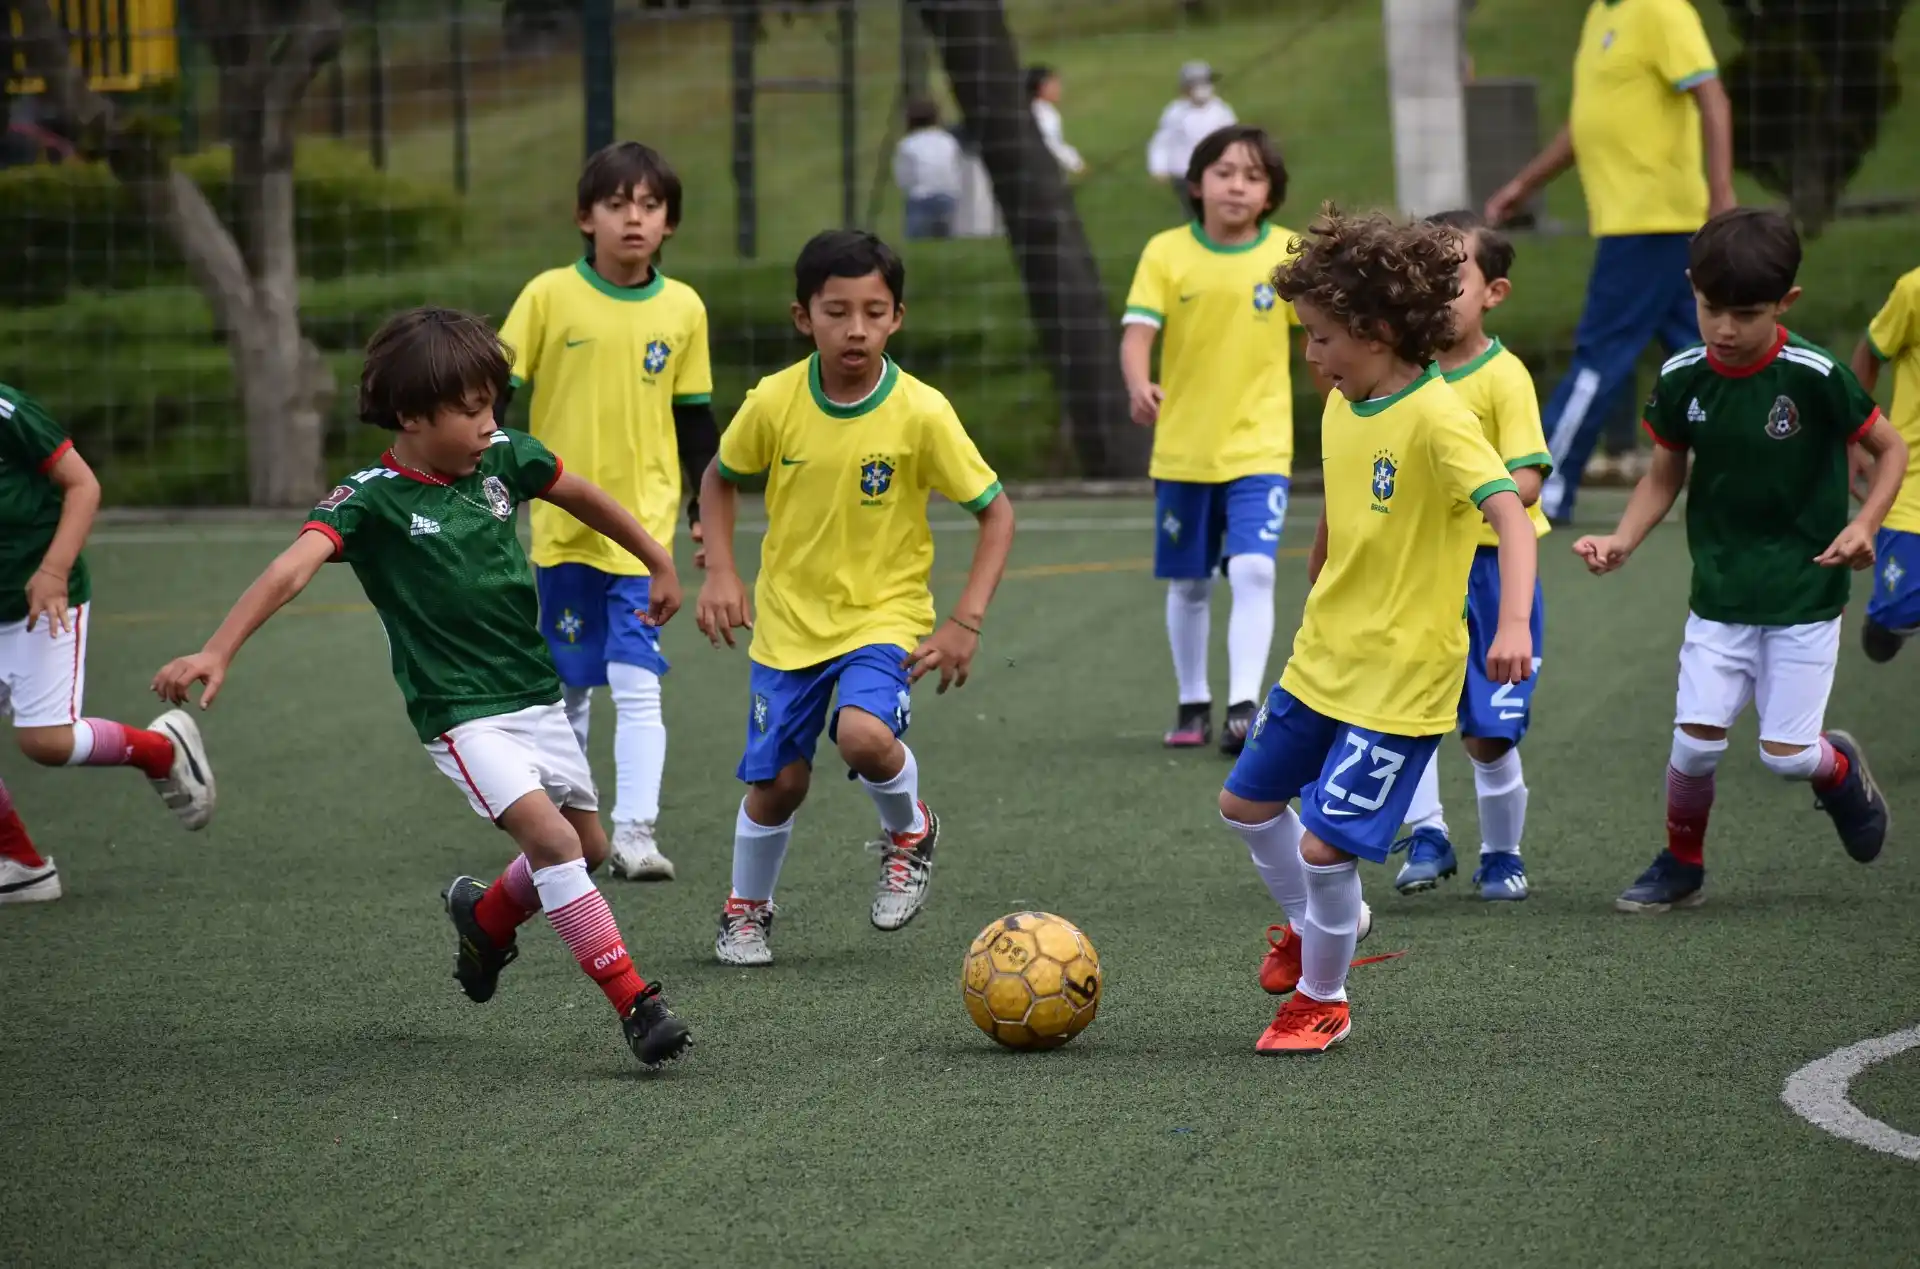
(1502, 790)
(758, 850)
(1189, 625)
(898, 799)
(639, 743)
(1333, 927)
(1424, 810)
(1249, 626)
(579, 706)
(561, 884)
(1275, 847)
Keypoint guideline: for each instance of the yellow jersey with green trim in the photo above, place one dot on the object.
(848, 548)
(1894, 337)
(1225, 363)
(1634, 122)
(1497, 388)
(607, 364)
(1383, 642)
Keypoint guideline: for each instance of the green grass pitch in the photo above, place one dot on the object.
(245, 1047)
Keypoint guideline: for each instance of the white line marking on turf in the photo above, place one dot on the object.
(178, 534)
(1817, 1092)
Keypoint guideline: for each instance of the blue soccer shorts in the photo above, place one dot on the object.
(1495, 711)
(1354, 784)
(1197, 526)
(589, 618)
(790, 706)
(1896, 582)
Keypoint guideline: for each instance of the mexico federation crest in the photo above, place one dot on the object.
(1783, 420)
(1384, 471)
(658, 350)
(760, 713)
(499, 501)
(1264, 297)
(876, 476)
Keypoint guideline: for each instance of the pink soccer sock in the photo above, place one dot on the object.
(14, 842)
(101, 742)
(509, 903)
(587, 927)
(1832, 769)
(1689, 802)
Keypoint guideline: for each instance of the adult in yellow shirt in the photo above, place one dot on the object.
(1647, 100)
(1894, 339)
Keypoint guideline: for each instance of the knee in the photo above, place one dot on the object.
(1190, 591)
(867, 745)
(1251, 572)
(1238, 810)
(1790, 762)
(1318, 854)
(1486, 749)
(1695, 754)
(594, 847)
(775, 801)
(635, 691)
(48, 746)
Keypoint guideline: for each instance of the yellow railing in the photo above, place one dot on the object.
(122, 45)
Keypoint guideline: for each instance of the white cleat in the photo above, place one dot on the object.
(636, 856)
(742, 939)
(188, 788)
(21, 884)
(906, 871)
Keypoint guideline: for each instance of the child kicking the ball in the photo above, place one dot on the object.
(430, 533)
(850, 446)
(1380, 658)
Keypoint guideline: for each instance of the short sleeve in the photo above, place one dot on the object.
(1518, 434)
(529, 467)
(523, 331)
(954, 465)
(1892, 330)
(1854, 408)
(1464, 462)
(693, 382)
(336, 517)
(1685, 56)
(1147, 297)
(1661, 417)
(746, 447)
(28, 434)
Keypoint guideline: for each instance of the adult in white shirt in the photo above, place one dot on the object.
(1184, 124)
(926, 167)
(1043, 90)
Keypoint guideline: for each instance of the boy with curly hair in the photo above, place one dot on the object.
(1380, 658)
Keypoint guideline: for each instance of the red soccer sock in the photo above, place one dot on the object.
(509, 903)
(101, 742)
(14, 842)
(587, 927)
(1689, 801)
(1833, 768)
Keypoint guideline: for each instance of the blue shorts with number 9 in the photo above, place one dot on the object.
(1354, 785)
(1196, 526)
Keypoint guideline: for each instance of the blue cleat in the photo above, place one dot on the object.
(1429, 858)
(1501, 875)
(1667, 883)
(1857, 807)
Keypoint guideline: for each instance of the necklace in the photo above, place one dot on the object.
(501, 511)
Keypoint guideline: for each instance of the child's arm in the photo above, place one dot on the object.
(285, 578)
(1529, 481)
(79, 500)
(722, 606)
(595, 508)
(1854, 547)
(1136, 366)
(951, 648)
(1510, 658)
(1866, 364)
(1652, 498)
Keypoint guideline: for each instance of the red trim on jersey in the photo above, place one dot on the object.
(327, 531)
(446, 738)
(59, 452)
(1746, 372)
(393, 464)
(79, 642)
(559, 470)
(1660, 440)
(1866, 427)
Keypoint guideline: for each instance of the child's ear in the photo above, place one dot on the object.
(583, 221)
(802, 322)
(1787, 301)
(1497, 292)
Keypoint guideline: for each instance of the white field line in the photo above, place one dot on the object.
(1817, 1092)
(189, 535)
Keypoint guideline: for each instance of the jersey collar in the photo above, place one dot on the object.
(388, 461)
(1224, 249)
(1494, 349)
(833, 409)
(645, 291)
(1367, 409)
(1746, 372)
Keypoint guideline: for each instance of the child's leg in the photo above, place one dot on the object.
(784, 722)
(1256, 512)
(1333, 919)
(1285, 749)
(1186, 553)
(1500, 787)
(1796, 678)
(885, 766)
(573, 608)
(577, 911)
(763, 828)
(1893, 609)
(49, 684)
(579, 706)
(1719, 664)
(1189, 627)
(634, 669)
(14, 842)
(1425, 811)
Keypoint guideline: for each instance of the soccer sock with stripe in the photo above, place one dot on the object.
(758, 851)
(1690, 770)
(1501, 788)
(583, 921)
(1424, 811)
(1333, 927)
(1275, 848)
(1249, 626)
(898, 799)
(100, 742)
(639, 743)
(14, 842)
(1189, 624)
(509, 903)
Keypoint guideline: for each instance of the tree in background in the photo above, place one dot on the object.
(1810, 85)
(265, 53)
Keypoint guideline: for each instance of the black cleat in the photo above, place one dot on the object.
(654, 1034)
(1879, 643)
(1239, 722)
(1192, 727)
(1857, 809)
(478, 964)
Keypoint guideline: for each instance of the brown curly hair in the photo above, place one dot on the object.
(1381, 278)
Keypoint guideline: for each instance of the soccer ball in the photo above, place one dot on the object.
(1031, 981)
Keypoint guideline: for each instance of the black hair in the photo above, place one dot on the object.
(1220, 140)
(1037, 76)
(922, 113)
(846, 253)
(423, 360)
(1492, 250)
(1744, 258)
(623, 168)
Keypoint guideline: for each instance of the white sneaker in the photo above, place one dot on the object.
(636, 856)
(742, 938)
(188, 788)
(21, 884)
(906, 870)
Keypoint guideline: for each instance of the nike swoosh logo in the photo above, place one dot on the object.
(1513, 713)
(1325, 809)
(1194, 296)
(791, 462)
(575, 343)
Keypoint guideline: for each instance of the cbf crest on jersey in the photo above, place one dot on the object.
(876, 477)
(499, 501)
(1783, 420)
(1385, 470)
(1264, 297)
(658, 350)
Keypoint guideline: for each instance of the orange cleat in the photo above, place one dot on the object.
(1306, 1025)
(1280, 970)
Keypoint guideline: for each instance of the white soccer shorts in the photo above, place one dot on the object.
(497, 761)
(1786, 670)
(43, 676)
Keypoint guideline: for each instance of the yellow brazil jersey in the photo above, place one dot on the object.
(1895, 337)
(848, 547)
(1224, 356)
(1383, 642)
(1497, 388)
(1636, 129)
(608, 364)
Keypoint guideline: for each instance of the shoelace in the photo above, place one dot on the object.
(905, 865)
(759, 916)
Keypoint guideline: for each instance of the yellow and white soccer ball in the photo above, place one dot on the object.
(1031, 981)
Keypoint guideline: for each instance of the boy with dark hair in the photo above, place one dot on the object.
(48, 497)
(1893, 614)
(1223, 423)
(1767, 418)
(430, 533)
(616, 353)
(1380, 659)
(851, 446)
(1495, 385)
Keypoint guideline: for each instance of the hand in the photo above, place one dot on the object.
(1143, 403)
(699, 536)
(722, 607)
(47, 593)
(1852, 549)
(949, 650)
(181, 673)
(1859, 472)
(1505, 201)
(1602, 552)
(1721, 200)
(1510, 659)
(663, 599)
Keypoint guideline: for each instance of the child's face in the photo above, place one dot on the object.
(1049, 89)
(1477, 298)
(1740, 336)
(455, 439)
(850, 321)
(1351, 364)
(627, 227)
(1234, 190)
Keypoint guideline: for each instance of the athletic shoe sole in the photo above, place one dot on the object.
(1693, 900)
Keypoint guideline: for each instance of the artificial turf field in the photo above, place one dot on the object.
(245, 1047)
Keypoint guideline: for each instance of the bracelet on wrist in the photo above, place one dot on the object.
(972, 630)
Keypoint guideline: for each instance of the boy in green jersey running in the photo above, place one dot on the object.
(1767, 418)
(431, 535)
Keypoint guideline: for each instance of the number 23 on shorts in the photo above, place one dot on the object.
(1364, 790)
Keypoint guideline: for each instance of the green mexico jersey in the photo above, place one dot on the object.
(30, 444)
(1769, 484)
(443, 566)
